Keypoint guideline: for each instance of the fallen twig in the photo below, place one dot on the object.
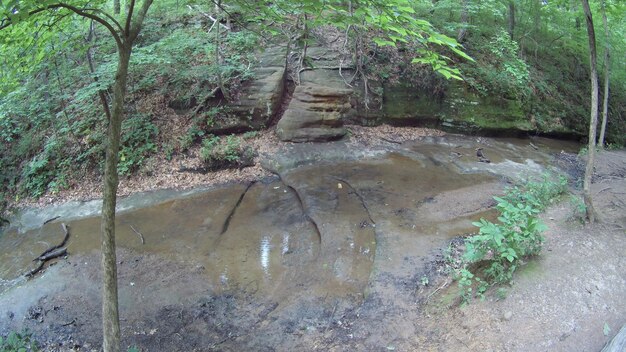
(51, 255)
(35, 271)
(138, 233)
(51, 220)
(446, 283)
(70, 323)
(65, 238)
(390, 140)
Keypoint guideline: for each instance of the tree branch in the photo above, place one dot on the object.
(136, 25)
(129, 17)
(76, 10)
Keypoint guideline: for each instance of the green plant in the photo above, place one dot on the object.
(501, 293)
(220, 153)
(250, 134)
(500, 247)
(18, 342)
(137, 143)
(209, 143)
(579, 209)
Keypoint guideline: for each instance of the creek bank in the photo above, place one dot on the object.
(268, 280)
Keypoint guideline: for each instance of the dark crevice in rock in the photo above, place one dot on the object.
(285, 100)
(302, 206)
(234, 210)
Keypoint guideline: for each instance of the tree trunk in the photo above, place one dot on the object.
(605, 96)
(110, 310)
(591, 215)
(110, 314)
(511, 19)
(116, 7)
(218, 45)
(464, 21)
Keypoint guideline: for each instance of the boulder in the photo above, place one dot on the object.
(315, 114)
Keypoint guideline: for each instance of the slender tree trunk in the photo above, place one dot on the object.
(116, 7)
(591, 215)
(218, 45)
(110, 314)
(511, 19)
(110, 310)
(464, 21)
(605, 96)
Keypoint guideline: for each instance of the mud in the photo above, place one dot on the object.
(348, 266)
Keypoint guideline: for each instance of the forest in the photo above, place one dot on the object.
(99, 93)
(58, 68)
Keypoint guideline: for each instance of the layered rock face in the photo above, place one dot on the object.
(260, 99)
(321, 103)
(314, 114)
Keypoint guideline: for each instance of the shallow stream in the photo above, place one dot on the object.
(328, 228)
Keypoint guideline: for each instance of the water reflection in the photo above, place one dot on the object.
(264, 248)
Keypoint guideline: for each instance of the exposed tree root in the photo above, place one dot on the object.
(234, 209)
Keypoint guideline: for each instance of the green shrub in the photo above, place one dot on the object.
(221, 153)
(17, 342)
(138, 143)
(499, 248)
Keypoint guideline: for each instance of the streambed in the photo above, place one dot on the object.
(335, 226)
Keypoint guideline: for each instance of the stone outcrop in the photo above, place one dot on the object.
(322, 101)
(314, 114)
(260, 99)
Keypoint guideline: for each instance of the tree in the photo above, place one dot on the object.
(593, 122)
(605, 96)
(124, 33)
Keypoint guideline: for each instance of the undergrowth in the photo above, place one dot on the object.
(17, 342)
(492, 256)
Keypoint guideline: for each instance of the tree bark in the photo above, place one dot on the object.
(110, 311)
(605, 96)
(116, 7)
(511, 19)
(591, 215)
(464, 21)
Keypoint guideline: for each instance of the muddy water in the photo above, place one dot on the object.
(324, 229)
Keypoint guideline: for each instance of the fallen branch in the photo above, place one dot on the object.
(446, 283)
(138, 233)
(70, 323)
(54, 254)
(51, 253)
(35, 271)
(205, 100)
(65, 238)
(390, 140)
(50, 220)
